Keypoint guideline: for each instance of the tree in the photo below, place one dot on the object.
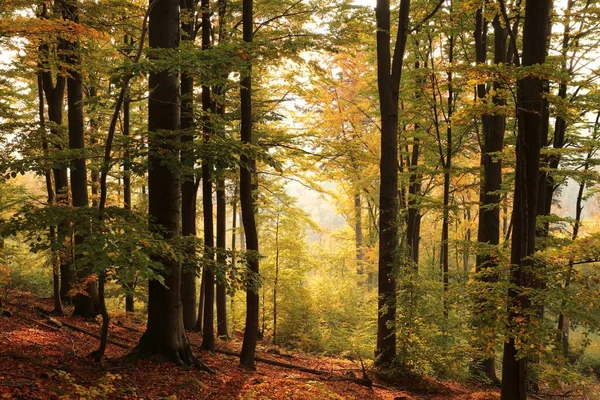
(189, 187)
(84, 302)
(493, 127)
(530, 105)
(247, 169)
(388, 82)
(164, 333)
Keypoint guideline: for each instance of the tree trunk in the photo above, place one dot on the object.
(54, 93)
(530, 106)
(388, 82)
(358, 235)
(208, 332)
(221, 260)
(129, 298)
(488, 231)
(247, 170)
(58, 307)
(188, 186)
(276, 281)
(164, 333)
(84, 302)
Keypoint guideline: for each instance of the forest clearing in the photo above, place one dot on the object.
(301, 199)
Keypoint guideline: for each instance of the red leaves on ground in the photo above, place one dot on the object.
(41, 363)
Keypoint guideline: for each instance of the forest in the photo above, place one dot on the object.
(300, 199)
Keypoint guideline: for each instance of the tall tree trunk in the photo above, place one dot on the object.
(530, 104)
(234, 215)
(247, 170)
(208, 332)
(563, 320)
(447, 165)
(129, 298)
(54, 93)
(221, 259)
(58, 307)
(488, 231)
(388, 82)
(413, 219)
(276, 281)
(358, 234)
(164, 333)
(84, 302)
(188, 187)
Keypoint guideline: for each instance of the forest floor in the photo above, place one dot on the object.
(39, 360)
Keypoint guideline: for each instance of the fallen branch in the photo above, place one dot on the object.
(85, 331)
(324, 374)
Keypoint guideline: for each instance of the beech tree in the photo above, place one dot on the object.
(530, 104)
(165, 332)
(389, 74)
(247, 170)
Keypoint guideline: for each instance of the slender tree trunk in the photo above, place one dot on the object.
(413, 220)
(530, 120)
(84, 302)
(58, 307)
(129, 298)
(488, 231)
(188, 187)
(247, 170)
(221, 260)
(358, 235)
(233, 269)
(389, 73)
(447, 165)
(208, 333)
(276, 281)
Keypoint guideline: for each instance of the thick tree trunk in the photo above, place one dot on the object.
(247, 170)
(488, 231)
(530, 105)
(188, 186)
(164, 333)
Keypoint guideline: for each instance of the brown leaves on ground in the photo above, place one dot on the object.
(38, 362)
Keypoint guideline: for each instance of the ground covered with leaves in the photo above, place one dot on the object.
(39, 359)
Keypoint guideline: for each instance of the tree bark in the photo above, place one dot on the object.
(164, 333)
(222, 331)
(247, 170)
(84, 302)
(55, 260)
(208, 332)
(388, 82)
(530, 104)
(189, 189)
(54, 93)
(488, 231)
